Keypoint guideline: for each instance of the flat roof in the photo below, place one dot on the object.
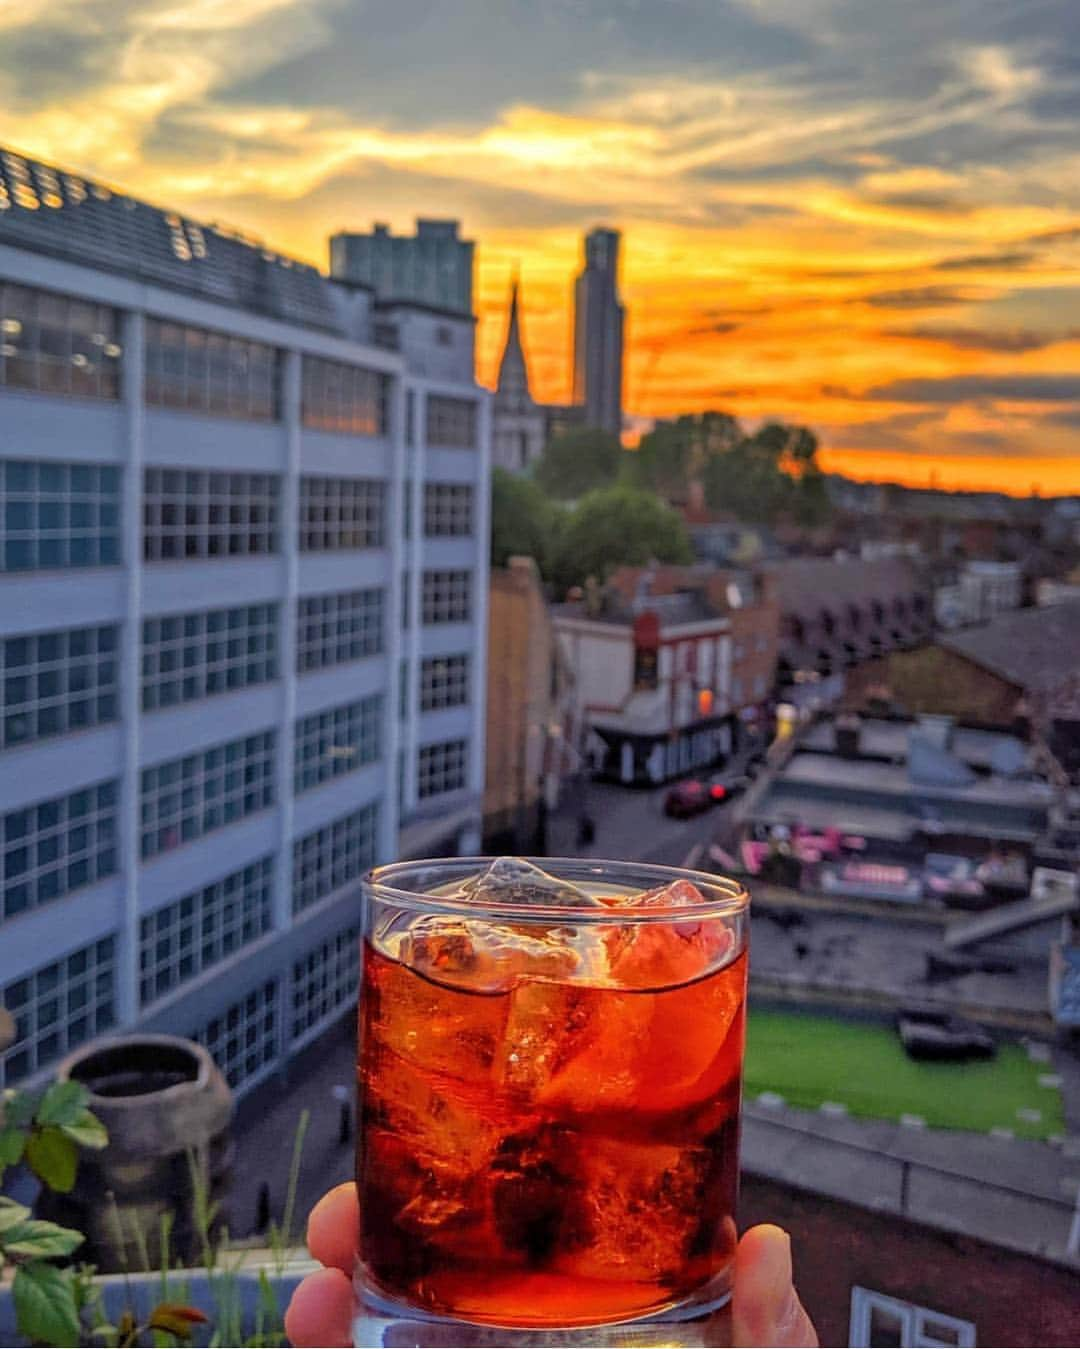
(828, 770)
(878, 735)
(65, 215)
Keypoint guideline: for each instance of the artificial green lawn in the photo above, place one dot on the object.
(810, 1059)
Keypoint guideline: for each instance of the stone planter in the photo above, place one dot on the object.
(167, 1110)
(229, 1300)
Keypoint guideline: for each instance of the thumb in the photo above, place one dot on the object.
(765, 1307)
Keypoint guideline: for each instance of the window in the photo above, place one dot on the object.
(243, 1040)
(736, 690)
(58, 344)
(879, 1320)
(55, 682)
(200, 930)
(330, 857)
(58, 845)
(58, 1007)
(403, 690)
(406, 599)
(324, 981)
(338, 397)
(183, 799)
(447, 596)
(333, 629)
(444, 682)
(189, 656)
(59, 515)
(759, 686)
(451, 422)
(338, 513)
(441, 768)
(203, 515)
(201, 371)
(339, 740)
(447, 510)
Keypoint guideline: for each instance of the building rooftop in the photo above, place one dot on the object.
(1036, 649)
(806, 584)
(67, 216)
(886, 739)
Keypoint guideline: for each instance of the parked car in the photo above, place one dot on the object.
(939, 1035)
(687, 798)
(725, 785)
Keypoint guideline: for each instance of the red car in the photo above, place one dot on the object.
(686, 799)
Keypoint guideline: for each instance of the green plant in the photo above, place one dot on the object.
(44, 1132)
(60, 1304)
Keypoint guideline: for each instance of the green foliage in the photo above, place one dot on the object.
(523, 521)
(674, 453)
(577, 462)
(53, 1158)
(616, 526)
(45, 1304)
(768, 476)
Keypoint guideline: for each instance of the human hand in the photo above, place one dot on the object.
(765, 1309)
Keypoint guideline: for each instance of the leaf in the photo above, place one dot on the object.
(12, 1143)
(18, 1108)
(45, 1304)
(39, 1240)
(63, 1103)
(53, 1158)
(11, 1214)
(87, 1130)
(174, 1319)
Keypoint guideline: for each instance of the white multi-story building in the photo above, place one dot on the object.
(243, 581)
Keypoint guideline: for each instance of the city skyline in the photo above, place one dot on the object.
(865, 221)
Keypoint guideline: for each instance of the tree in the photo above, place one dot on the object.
(674, 453)
(523, 521)
(770, 475)
(577, 461)
(616, 526)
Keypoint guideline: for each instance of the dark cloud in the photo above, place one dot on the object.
(985, 339)
(1057, 388)
(919, 297)
(415, 63)
(42, 62)
(979, 261)
(943, 203)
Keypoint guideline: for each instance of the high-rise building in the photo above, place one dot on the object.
(519, 423)
(598, 333)
(243, 597)
(432, 267)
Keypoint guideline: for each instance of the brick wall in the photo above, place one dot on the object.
(936, 680)
(1012, 1299)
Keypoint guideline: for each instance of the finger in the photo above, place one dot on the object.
(765, 1307)
(333, 1228)
(321, 1311)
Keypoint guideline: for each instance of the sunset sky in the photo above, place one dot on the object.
(860, 215)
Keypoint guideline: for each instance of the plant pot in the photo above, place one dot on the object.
(167, 1110)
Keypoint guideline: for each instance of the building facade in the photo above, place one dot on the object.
(433, 267)
(671, 668)
(528, 712)
(519, 423)
(598, 334)
(243, 585)
(981, 591)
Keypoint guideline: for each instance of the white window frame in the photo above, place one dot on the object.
(913, 1319)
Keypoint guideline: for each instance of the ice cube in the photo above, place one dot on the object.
(662, 955)
(478, 956)
(536, 1181)
(574, 1047)
(429, 1025)
(655, 1212)
(512, 880)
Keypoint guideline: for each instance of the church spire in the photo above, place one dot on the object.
(513, 372)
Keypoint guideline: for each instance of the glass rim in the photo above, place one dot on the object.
(722, 896)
